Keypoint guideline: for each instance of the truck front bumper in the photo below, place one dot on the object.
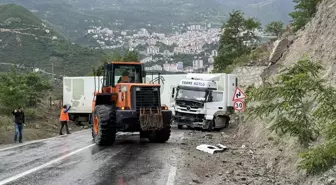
(190, 120)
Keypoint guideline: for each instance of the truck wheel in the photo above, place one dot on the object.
(179, 126)
(160, 136)
(104, 121)
(224, 121)
(227, 122)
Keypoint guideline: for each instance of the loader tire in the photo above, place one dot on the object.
(160, 136)
(104, 125)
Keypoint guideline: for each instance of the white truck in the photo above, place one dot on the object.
(204, 100)
(78, 92)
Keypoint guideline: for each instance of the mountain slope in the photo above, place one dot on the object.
(26, 40)
(73, 17)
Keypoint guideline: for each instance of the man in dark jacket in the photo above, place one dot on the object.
(19, 119)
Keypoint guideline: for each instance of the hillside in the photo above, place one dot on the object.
(73, 17)
(316, 41)
(28, 41)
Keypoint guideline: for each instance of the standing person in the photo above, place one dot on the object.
(19, 119)
(64, 119)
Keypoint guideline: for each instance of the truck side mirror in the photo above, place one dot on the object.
(173, 92)
(210, 98)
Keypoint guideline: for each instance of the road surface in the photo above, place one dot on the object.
(74, 159)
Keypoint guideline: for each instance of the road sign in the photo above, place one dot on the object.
(239, 105)
(238, 95)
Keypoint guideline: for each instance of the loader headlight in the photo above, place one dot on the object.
(138, 89)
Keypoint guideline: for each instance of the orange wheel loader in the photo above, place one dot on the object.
(128, 104)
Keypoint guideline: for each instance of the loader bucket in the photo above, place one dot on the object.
(151, 121)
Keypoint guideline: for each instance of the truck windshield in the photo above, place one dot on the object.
(191, 94)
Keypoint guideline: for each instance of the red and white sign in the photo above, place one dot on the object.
(239, 105)
(238, 95)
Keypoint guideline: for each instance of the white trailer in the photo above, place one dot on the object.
(168, 87)
(78, 92)
(205, 100)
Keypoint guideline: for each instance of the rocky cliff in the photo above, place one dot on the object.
(317, 41)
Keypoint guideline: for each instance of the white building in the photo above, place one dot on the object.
(179, 66)
(214, 53)
(154, 68)
(166, 66)
(197, 63)
(153, 50)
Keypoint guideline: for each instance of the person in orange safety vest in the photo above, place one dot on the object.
(64, 119)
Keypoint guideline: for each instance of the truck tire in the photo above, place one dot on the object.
(104, 124)
(227, 122)
(180, 126)
(160, 136)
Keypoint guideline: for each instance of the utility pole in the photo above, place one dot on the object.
(52, 83)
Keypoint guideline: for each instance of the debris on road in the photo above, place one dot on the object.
(211, 149)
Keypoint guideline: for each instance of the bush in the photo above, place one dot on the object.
(31, 114)
(320, 158)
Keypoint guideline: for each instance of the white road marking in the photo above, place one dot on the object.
(13, 178)
(172, 175)
(36, 141)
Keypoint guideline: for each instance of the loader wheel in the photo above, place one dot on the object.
(160, 136)
(104, 121)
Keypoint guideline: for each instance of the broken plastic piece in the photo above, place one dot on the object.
(211, 149)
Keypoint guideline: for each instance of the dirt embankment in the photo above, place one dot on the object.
(254, 156)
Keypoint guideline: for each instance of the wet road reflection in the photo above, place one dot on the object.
(130, 160)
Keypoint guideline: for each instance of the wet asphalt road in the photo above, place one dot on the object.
(75, 159)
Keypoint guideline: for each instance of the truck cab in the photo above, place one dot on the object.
(204, 101)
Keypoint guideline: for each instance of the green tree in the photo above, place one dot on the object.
(12, 90)
(275, 28)
(304, 11)
(21, 89)
(237, 39)
(36, 88)
(129, 56)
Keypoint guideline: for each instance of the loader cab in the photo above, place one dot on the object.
(123, 72)
(110, 75)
